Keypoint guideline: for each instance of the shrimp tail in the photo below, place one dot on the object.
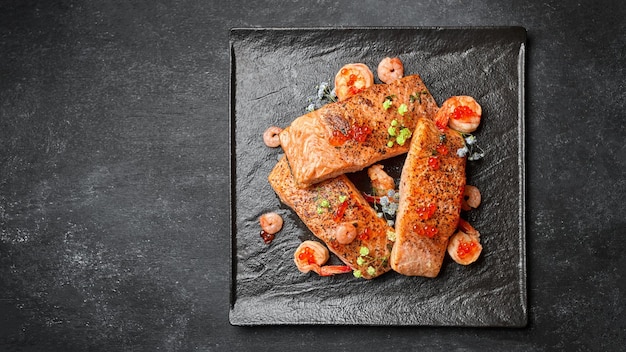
(468, 228)
(328, 270)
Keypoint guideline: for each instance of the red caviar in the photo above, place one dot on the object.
(338, 138)
(433, 162)
(425, 230)
(441, 125)
(426, 212)
(267, 237)
(360, 133)
(463, 113)
(354, 90)
(442, 149)
(466, 248)
(307, 255)
(356, 133)
(352, 78)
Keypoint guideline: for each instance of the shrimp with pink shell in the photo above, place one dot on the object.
(271, 136)
(461, 113)
(390, 69)
(312, 255)
(464, 246)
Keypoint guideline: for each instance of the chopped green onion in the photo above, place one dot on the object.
(360, 261)
(405, 134)
(402, 109)
(342, 198)
(371, 270)
(364, 251)
(357, 273)
(387, 104)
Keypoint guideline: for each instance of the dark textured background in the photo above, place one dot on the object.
(114, 188)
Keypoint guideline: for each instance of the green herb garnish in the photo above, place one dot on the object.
(402, 109)
(386, 104)
(417, 96)
(405, 134)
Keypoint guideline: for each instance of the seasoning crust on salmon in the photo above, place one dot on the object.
(431, 190)
(350, 135)
(328, 205)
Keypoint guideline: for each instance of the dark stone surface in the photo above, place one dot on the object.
(114, 163)
(451, 61)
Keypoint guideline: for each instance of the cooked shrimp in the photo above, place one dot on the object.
(462, 113)
(270, 136)
(271, 222)
(312, 255)
(352, 79)
(382, 183)
(471, 198)
(390, 69)
(345, 233)
(464, 246)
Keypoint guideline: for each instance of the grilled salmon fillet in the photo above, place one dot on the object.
(431, 190)
(350, 135)
(329, 204)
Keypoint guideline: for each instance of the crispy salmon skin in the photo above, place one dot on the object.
(328, 205)
(431, 190)
(350, 135)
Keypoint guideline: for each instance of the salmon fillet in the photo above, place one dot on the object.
(431, 190)
(325, 206)
(350, 135)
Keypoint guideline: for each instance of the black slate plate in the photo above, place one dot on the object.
(273, 71)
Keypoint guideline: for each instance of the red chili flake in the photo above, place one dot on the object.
(340, 211)
(433, 162)
(365, 235)
(267, 237)
(370, 198)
